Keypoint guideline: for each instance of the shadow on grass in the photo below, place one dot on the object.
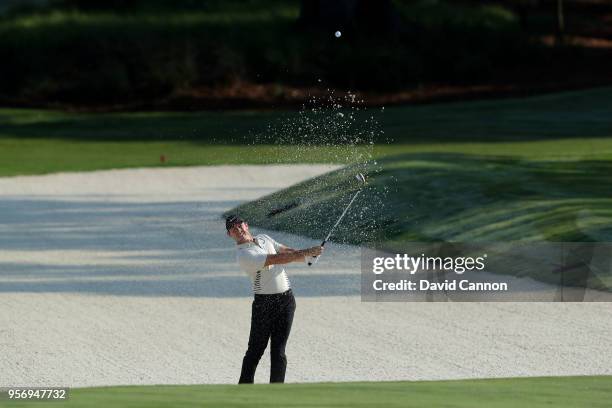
(557, 116)
(444, 196)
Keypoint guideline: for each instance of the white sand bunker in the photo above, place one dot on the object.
(126, 277)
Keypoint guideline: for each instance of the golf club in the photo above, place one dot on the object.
(361, 178)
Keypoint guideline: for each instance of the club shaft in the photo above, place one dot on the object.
(341, 216)
(316, 258)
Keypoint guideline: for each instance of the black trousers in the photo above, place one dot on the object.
(271, 319)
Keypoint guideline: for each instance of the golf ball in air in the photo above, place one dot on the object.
(337, 34)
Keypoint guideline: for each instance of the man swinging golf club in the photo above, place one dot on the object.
(274, 304)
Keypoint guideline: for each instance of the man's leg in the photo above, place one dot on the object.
(281, 327)
(258, 340)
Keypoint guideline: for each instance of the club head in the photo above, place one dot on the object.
(360, 177)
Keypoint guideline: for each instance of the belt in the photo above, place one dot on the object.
(273, 295)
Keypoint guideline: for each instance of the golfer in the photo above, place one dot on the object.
(274, 304)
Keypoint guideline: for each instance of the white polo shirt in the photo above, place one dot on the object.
(252, 256)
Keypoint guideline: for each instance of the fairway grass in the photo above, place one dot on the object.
(558, 392)
(570, 125)
(44, 156)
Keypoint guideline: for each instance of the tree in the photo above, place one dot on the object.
(358, 15)
(560, 22)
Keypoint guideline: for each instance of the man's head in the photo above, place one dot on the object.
(237, 229)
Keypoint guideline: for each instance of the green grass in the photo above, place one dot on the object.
(166, 20)
(579, 114)
(569, 126)
(40, 156)
(436, 14)
(558, 392)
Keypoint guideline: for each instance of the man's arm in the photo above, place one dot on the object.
(288, 255)
(285, 250)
